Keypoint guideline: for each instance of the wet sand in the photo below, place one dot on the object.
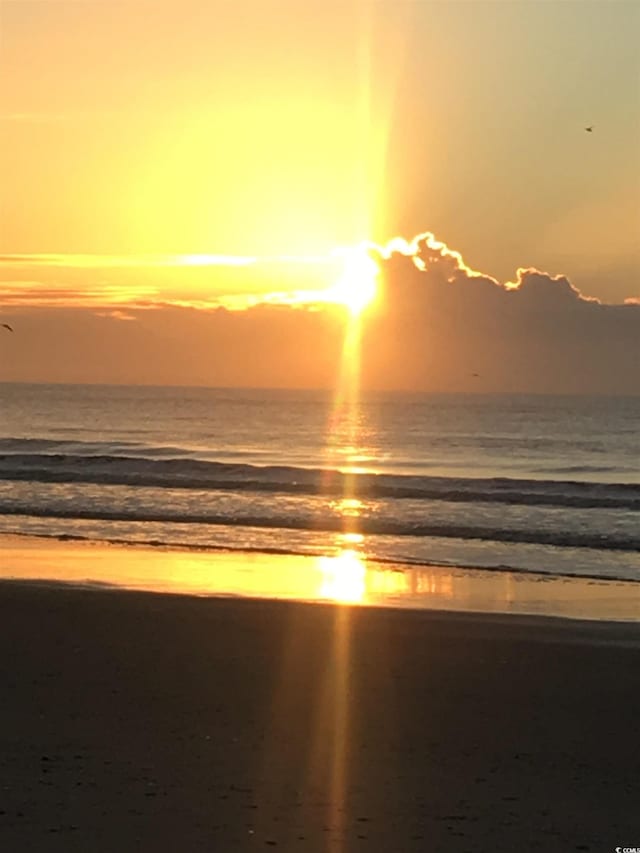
(345, 576)
(136, 721)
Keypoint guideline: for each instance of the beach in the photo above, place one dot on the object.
(140, 721)
(319, 445)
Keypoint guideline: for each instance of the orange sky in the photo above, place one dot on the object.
(136, 131)
(244, 128)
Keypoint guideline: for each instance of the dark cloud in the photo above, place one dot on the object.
(442, 323)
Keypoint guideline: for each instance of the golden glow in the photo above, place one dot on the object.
(300, 577)
(357, 286)
(352, 538)
(343, 578)
(215, 260)
(347, 277)
(348, 507)
(92, 262)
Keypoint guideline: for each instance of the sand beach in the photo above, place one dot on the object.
(140, 721)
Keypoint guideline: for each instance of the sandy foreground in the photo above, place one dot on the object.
(134, 721)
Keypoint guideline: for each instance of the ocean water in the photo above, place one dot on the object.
(528, 483)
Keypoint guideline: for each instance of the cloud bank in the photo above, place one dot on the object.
(442, 322)
(437, 326)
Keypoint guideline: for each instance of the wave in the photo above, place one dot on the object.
(620, 541)
(582, 469)
(128, 464)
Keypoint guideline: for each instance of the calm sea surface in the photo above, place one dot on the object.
(531, 483)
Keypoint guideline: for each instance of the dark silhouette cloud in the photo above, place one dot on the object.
(440, 321)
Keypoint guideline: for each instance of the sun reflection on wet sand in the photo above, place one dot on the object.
(304, 578)
(343, 578)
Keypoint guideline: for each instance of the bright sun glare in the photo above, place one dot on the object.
(343, 577)
(357, 286)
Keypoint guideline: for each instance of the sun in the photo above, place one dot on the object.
(357, 286)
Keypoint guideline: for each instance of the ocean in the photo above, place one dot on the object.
(542, 484)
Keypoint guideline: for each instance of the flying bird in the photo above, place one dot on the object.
(589, 129)
(7, 326)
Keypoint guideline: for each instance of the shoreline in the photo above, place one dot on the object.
(399, 563)
(346, 578)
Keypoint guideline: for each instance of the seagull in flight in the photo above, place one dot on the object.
(589, 129)
(7, 326)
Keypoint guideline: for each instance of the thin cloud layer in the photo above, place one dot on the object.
(203, 281)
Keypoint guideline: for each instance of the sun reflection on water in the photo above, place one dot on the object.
(351, 538)
(351, 507)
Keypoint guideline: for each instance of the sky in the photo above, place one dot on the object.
(181, 182)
